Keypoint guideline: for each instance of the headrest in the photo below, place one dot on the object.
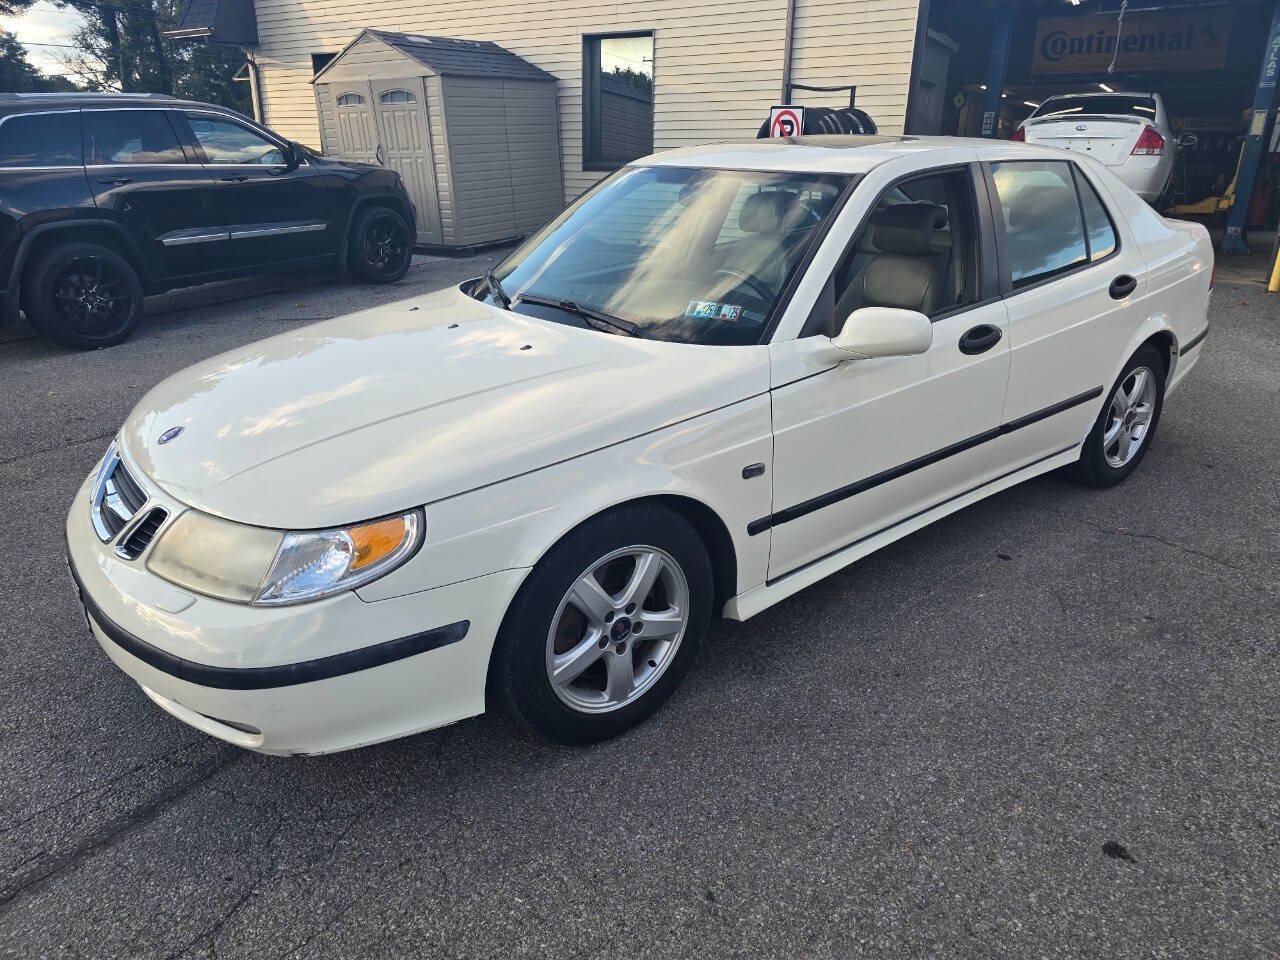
(771, 211)
(1045, 208)
(906, 228)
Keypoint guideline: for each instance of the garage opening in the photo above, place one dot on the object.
(1044, 68)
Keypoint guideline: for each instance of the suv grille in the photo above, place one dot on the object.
(142, 534)
(116, 497)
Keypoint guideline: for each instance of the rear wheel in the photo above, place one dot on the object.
(1123, 431)
(83, 295)
(381, 247)
(606, 626)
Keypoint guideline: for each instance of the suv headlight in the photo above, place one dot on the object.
(233, 561)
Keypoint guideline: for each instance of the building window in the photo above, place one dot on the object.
(397, 96)
(617, 99)
(350, 100)
(319, 61)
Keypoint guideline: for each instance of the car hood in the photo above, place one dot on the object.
(409, 403)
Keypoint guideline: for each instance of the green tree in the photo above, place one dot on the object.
(121, 46)
(17, 75)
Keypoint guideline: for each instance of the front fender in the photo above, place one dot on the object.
(513, 523)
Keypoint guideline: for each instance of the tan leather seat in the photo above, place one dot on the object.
(907, 271)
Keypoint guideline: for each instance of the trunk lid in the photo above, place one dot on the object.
(1108, 139)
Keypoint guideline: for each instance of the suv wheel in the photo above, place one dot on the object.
(381, 247)
(83, 295)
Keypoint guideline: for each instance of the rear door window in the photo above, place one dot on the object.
(41, 140)
(1044, 233)
(1102, 234)
(130, 137)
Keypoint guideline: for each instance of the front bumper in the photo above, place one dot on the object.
(312, 678)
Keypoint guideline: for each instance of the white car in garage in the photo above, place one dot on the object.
(721, 375)
(1128, 132)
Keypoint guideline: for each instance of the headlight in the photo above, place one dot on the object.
(246, 564)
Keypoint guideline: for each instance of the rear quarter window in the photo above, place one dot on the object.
(41, 140)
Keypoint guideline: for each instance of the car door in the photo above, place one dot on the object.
(273, 212)
(1071, 288)
(143, 180)
(864, 445)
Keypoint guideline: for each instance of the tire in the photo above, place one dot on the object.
(604, 690)
(381, 246)
(1104, 462)
(82, 295)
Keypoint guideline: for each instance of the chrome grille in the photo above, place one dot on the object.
(116, 497)
(143, 532)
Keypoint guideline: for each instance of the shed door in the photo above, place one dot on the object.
(348, 125)
(406, 149)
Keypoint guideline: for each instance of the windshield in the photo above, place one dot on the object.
(1111, 104)
(671, 253)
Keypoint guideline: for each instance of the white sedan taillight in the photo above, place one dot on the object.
(1150, 144)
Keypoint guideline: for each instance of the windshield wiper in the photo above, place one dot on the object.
(495, 287)
(577, 309)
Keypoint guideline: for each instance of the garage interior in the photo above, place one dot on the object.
(1209, 60)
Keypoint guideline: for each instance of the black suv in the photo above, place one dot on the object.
(106, 198)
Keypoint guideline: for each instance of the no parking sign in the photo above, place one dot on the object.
(786, 121)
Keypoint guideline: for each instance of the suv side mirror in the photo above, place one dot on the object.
(882, 332)
(292, 156)
(1188, 140)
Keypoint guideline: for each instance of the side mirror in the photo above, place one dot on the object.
(292, 156)
(883, 332)
(1188, 140)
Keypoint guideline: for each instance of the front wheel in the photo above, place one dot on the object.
(606, 626)
(381, 246)
(83, 295)
(1122, 433)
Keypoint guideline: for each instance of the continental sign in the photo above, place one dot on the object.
(1161, 40)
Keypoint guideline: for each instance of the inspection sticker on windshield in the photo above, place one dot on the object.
(711, 310)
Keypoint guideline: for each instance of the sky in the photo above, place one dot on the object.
(43, 23)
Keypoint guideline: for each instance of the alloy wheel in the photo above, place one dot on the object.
(1129, 417)
(617, 629)
(385, 245)
(92, 298)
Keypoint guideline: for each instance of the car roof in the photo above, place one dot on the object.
(835, 153)
(15, 102)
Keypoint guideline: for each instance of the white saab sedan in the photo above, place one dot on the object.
(722, 374)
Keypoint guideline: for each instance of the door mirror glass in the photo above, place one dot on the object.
(884, 332)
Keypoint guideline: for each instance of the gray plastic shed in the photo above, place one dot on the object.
(471, 128)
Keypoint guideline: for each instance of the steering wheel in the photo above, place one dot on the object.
(754, 282)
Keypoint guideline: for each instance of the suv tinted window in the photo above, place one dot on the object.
(130, 136)
(1041, 217)
(41, 140)
(1102, 235)
(225, 141)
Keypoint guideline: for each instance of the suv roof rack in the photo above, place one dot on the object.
(85, 94)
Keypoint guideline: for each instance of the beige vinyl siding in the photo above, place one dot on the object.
(717, 65)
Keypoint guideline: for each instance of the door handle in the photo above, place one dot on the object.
(980, 339)
(1122, 286)
(234, 178)
(118, 181)
(377, 154)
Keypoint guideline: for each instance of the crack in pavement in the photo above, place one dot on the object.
(109, 833)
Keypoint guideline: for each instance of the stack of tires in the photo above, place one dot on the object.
(847, 120)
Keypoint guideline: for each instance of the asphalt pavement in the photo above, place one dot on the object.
(1043, 727)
